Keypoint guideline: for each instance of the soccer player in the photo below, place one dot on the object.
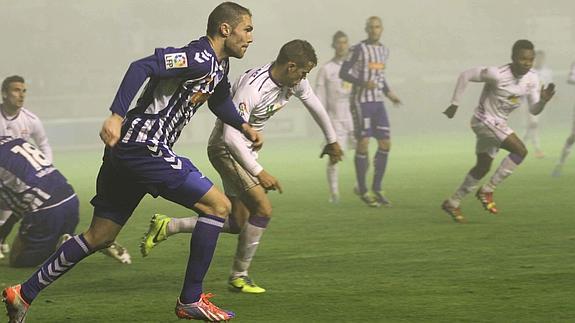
(364, 68)
(571, 139)
(505, 87)
(545, 77)
(18, 122)
(38, 194)
(259, 93)
(139, 159)
(334, 93)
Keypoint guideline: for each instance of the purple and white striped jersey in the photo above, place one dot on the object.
(181, 80)
(28, 181)
(366, 62)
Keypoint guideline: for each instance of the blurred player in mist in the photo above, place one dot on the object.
(545, 77)
(364, 68)
(259, 93)
(571, 139)
(334, 94)
(139, 159)
(505, 88)
(18, 122)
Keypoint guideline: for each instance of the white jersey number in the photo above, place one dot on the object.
(34, 156)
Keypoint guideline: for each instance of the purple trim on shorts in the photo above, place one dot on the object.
(259, 221)
(516, 158)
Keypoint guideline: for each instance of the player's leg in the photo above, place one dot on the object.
(40, 233)
(6, 227)
(532, 134)
(381, 132)
(361, 114)
(486, 148)
(332, 169)
(115, 200)
(565, 151)
(517, 153)
(255, 204)
(199, 194)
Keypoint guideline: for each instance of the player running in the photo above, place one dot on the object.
(571, 139)
(139, 159)
(259, 94)
(505, 87)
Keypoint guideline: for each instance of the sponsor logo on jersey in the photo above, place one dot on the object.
(176, 60)
(376, 65)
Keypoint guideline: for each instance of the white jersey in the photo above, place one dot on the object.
(502, 93)
(26, 125)
(571, 77)
(258, 97)
(333, 92)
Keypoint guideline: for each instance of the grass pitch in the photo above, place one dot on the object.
(346, 262)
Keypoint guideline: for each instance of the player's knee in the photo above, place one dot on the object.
(385, 144)
(222, 209)
(264, 210)
(522, 152)
(97, 241)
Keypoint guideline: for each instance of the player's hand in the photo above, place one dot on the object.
(450, 111)
(254, 136)
(268, 182)
(370, 85)
(334, 151)
(548, 92)
(110, 133)
(394, 99)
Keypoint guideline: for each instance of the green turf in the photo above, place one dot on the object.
(347, 262)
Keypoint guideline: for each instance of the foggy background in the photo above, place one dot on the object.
(73, 54)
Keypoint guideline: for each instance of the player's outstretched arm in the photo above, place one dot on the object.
(110, 133)
(545, 95)
(334, 152)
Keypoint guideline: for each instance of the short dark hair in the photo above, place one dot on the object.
(338, 34)
(225, 12)
(9, 80)
(298, 51)
(519, 45)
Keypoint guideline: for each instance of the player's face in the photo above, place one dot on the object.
(236, 44)
(373, 28)
(522, 62)
(341, 46)
(15, 95)
(296, 73)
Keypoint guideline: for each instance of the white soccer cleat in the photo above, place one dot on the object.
(118, 252)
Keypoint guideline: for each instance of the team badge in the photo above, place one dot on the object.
(176, 60)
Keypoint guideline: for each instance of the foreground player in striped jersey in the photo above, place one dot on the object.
(19, 122)
(334, 94)
(259, 94)
(139, 159)
(505, 88)
(571, 139)
(364, 68)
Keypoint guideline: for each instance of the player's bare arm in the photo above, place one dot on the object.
(450, 111)
(268, 182)
(254, 136)
(110, 133)
(334, 152)
(393, 98)
(545, 95)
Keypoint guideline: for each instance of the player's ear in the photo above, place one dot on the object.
(225, 29)
(291, 66)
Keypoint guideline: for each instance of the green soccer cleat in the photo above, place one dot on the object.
(244, 284)
(157, 232)
(381, 199)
